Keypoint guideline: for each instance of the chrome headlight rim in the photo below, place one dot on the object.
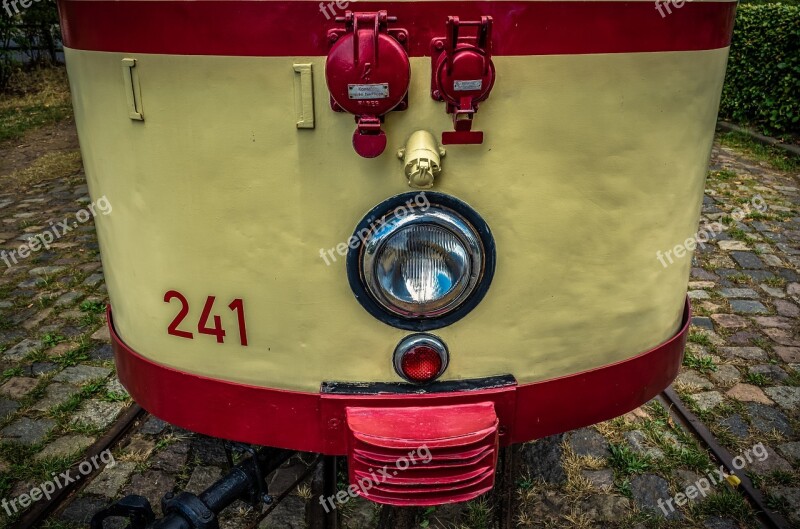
(437, 217)
(446, 212)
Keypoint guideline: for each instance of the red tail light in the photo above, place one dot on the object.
(421, 358)
(421, 364)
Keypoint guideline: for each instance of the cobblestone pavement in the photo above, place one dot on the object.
(58, 392)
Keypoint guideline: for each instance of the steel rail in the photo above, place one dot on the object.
(38, 514)
(692, 423)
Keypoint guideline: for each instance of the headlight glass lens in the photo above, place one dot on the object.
(423, 265)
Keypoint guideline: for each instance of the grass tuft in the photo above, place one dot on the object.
(50, 166)
(38, 97)
(704, 364)
(626, 461)
(774, 156)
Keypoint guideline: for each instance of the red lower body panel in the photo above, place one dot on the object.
(317, 422)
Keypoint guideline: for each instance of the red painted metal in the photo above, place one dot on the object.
(364, 52)
(366, 143)
(317, 422)
(423, 456)
(368, 74)
(463, 75)
(246, 28)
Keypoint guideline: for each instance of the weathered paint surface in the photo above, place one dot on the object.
(592, 163)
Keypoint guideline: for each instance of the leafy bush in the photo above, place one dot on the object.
(39, 33)
(762, 86)
(30, 36)
(8, 31)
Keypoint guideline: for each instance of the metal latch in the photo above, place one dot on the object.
(462, 75)
(133, 92)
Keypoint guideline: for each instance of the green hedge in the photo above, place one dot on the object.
(762, 86)
(34, 32)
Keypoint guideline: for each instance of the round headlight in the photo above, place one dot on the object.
(421, 266)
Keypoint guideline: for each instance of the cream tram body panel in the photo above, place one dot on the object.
(591, 165)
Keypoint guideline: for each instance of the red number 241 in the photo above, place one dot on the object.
(237, 305)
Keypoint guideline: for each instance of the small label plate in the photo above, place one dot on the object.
(368, 91)
(468, 86)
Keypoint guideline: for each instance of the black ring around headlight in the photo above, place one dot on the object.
(377, 218)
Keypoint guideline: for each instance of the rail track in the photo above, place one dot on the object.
(322, 476)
